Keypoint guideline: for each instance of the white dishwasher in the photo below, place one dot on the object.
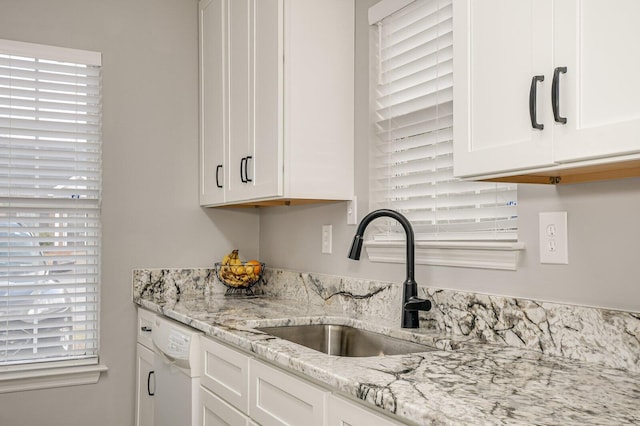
(177, 373)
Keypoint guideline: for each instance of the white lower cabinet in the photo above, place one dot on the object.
(343, 412)
(216, 412)
(277, 398)
(239, 390)
(144, 386)
(225, 372)
(145, 380)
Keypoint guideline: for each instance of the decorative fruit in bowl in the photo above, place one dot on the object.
(235, 274)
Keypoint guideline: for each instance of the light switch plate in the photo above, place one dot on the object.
(327, 230)
(553, 238)
(352, 211)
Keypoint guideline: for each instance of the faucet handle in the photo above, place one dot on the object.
(417, 304)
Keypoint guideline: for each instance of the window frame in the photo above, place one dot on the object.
(42, 373)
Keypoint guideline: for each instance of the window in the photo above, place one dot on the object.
(50, 183)
(412, 124)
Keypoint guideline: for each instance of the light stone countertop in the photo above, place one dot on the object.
(463, 381)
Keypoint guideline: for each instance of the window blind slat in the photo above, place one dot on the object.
(50, 186)
(406, 58)
(402, 42)
(424, 127)
(15, 60)
(434, 116)
(8, 97)
(407, 17)
(415, 78)
(412, 119)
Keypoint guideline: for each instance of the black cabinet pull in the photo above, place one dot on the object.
(218, 168)
(533, 95)
(149, 383)
(246, 173)
(145, 328)
(243, 169)
(555, 95)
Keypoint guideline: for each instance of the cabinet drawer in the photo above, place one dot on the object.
(346, 413)
(225, 373)
(145, 324)
(215, 412)
(278, 398)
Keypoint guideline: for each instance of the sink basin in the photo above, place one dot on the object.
(343, 340)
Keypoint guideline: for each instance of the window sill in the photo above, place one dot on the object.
(484, 255)
(46, 376)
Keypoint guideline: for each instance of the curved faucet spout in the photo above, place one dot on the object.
(356, 246)
(411, 304)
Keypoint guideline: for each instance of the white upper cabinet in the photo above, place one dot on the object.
(213, 101)
(600, 92)
(500, 46)
(279, 126)
(545, 86)
(255, 74)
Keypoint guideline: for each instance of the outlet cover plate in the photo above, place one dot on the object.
(553, 238)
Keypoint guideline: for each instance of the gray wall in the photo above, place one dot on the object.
(604, 233)
(150, 207)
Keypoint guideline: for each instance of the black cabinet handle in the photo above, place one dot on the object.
(555, 95)
(533, 95)
(149, 383)
(145, 328)
(218, 168)
(246, 164)
(243, 168)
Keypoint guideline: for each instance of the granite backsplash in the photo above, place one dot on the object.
(607, 337)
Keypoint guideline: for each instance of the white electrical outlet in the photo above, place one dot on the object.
(553, 238)
(327, 230)
(352, 211)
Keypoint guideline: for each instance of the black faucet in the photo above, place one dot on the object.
(411, 304)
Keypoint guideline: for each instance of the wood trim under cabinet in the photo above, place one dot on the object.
(580, 174)
(279, 202)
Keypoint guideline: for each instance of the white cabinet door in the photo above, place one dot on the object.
(241, 60)
(600, 92)
(255, 138)
(225, 372)
(346, 413)
(500, 46)
(213, 101)
(277, 398)
(265, 168)
(319, 98)
(145, 386)
(215, 412)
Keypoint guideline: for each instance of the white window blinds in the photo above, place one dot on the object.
(50, 182)
(412, 115)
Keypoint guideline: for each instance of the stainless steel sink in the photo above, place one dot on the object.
(342, 340)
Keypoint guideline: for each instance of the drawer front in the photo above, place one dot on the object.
(215, 412)
(145, 324)
(278, 398)
(225, 372)
(346, 413)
